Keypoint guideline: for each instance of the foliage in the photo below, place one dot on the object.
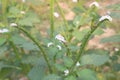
(56, 55)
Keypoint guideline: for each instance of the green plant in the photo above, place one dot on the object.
(57, 56)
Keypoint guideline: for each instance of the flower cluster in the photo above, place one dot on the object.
(13, 24)
(51, 43)
(60, 38)
(56, 14)
(74, 0)
(66, 72)
(105, 17)
(4, 30)
(94, 4)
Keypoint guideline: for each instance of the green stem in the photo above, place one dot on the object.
(4, 10)
(39, 46)
(51, 17)
(84, 43)
(15, 50)
(62, 14)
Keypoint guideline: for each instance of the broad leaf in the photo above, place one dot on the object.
(114, 6)
(116, 67)
(52, 77)
(67, 61)
(37, 72)
(86, 74)
(98, 31)
(29, 20)
(114, 38)
(70, 78)
(95, 59)
(29, 46)
(79, 35)
(30, 59)
(115, 15)
(2, 40)
(18, 40)
(60, 67)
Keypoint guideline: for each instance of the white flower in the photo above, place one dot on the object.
(108, 12)
(105, 17)
(49, 44)
(13, 24)
(56, 14)
(22, 12)
(59, 47)
(94, 4)
(60, 38)
(4, 30)
(66, 72)
(116, 49)
(23, 1)
(74, 0)
(77, 64)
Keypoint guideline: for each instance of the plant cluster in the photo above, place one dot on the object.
(63, 53)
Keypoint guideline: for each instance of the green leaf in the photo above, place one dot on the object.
(116, 67)
(95, 59)
(2, 40)
(22, 42)
(98, 31)
(76, 21)
(18, 40)
(67, 61)
(114, 6)
(78, 10)
(29, 46)
(70, 78)
(2, 52)
(81, 20)
(52, 77)
(37, 73)
(29, 20)
(14, 10)
(2, 65)
(52, 51)
(60, 67)
(79, 35)
(86, 74)
(30, 59)
(115, 15)
(114, 38)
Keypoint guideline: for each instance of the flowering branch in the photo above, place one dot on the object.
(84, 43)
(39, 46)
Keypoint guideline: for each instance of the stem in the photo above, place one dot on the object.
(83, 45)
(4, 10)
(62, 14)
(15, 50)
(39, 46)
(51, 17)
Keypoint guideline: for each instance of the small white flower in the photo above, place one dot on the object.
(59, 47)
(108, 13)
(56, 14)
(116, 49)
(94, 4)
(74, 0)
(23, 1)
(4, 30)
(66, 72)
(22, 12)
(77, 64)
(49, 44)
(105, 17)
(60, 38)
(13, 24)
